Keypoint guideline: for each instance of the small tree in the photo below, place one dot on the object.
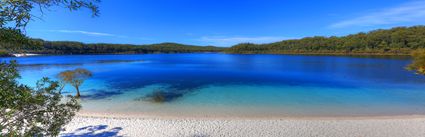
(25, 111)
(75, 78)
(418, 63)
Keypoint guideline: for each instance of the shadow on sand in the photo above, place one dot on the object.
(94, 131)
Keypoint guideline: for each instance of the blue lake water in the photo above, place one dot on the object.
(214, 84)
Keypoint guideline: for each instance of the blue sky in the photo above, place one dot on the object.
(223, 22)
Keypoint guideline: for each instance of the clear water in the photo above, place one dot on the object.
(239, 85)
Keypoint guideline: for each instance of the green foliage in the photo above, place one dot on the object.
(25, 111)
(18, 12)
(13, 40)
(12, 35)
(418, 63)
(396, 41)
(75, 78)
(4, 53)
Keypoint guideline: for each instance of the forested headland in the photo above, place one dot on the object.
(395, 41)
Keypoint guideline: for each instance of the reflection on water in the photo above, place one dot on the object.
(239, 84)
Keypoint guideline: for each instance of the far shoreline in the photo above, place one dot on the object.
(229, 53)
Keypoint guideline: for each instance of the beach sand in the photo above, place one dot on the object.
(139, 126)
(25, 55)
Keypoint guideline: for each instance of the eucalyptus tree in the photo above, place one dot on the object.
(75, 78)
(25, 111)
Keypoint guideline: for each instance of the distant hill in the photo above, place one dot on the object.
(395, 41)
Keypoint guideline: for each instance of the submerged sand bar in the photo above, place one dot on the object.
(391, 126)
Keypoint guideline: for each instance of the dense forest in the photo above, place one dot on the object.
(395, 41)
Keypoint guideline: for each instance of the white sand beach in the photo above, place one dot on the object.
(121, 125)
(25, 54)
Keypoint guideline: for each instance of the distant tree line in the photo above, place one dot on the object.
(395, 41)
(12, 41)
(66, 47)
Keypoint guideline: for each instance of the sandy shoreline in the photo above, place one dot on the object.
(25, 55)
(139, 115)
(96, 124)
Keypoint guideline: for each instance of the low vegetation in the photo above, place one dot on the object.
(418, 64)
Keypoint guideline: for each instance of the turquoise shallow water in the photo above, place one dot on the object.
(234, 85)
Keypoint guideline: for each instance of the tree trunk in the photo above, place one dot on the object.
(78, 91)
(60, 89)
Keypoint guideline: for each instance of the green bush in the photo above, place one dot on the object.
(418, 63)
(4, 53)
(25, 111)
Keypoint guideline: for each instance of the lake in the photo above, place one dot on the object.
(214, 84)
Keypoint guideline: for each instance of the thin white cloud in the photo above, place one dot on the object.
(85, 33)
(228, 41)
(411, 12)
